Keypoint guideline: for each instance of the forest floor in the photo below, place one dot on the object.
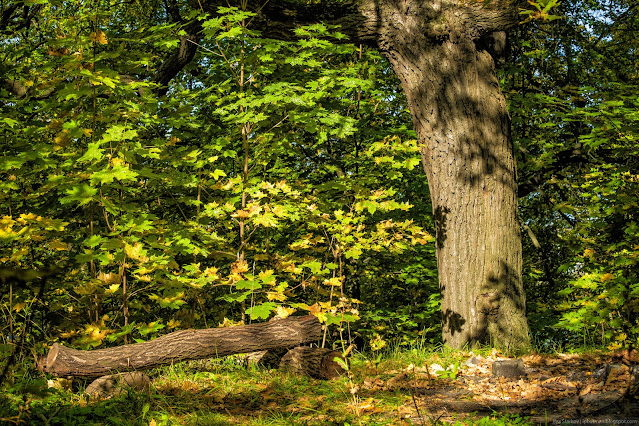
(406, 387)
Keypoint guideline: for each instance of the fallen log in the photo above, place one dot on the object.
(318, 363)
(183, 345)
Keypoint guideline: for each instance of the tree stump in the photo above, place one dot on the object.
(314, 362)
(183, 345)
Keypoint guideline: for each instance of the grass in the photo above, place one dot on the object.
(223, 392)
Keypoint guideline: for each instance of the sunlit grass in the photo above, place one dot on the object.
(226, 392)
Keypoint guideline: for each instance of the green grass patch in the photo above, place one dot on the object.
(225, 392)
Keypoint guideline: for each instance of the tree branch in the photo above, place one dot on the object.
(376, 23)
(181, 57)
(562, 160)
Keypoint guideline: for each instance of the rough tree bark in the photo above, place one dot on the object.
(462, 124)
(183, 345)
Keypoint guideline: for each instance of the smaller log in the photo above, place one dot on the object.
(318, 363)
(115, 384)
(269, 358)
(183, 345)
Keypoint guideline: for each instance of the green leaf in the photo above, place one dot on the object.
(152, 327)
(81, 194)
(93, 152)
(217, 174)
(262, 311)
(314, 266)
(235, 297)
(248, 285)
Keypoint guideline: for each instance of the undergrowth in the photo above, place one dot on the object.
(226, 392)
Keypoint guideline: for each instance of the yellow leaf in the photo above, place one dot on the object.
(242, 214)
(614, 346)
(211, 272)
(314, 309)
(19, 306)
(333, 282)
(279, 211)
(607, 277)
(377, 343)
(136, 252)
(230, 323)
(62, 139)
(281, 185)
(265, 274)
(239, 267)
(69, 334)
(98, 37)
(367, 403)
(274, 295)
(86, 288)
(55, 124)
(58, 245)
(283, 312)
(112, 288)
(109, 278)
(325, 305)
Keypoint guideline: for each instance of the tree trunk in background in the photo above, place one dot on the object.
(439, 51)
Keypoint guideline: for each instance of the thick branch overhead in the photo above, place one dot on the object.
(375, 23)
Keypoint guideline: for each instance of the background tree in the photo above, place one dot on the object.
(572, 93)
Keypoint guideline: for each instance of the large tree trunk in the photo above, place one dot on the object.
(463, 127)
(183, 345)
